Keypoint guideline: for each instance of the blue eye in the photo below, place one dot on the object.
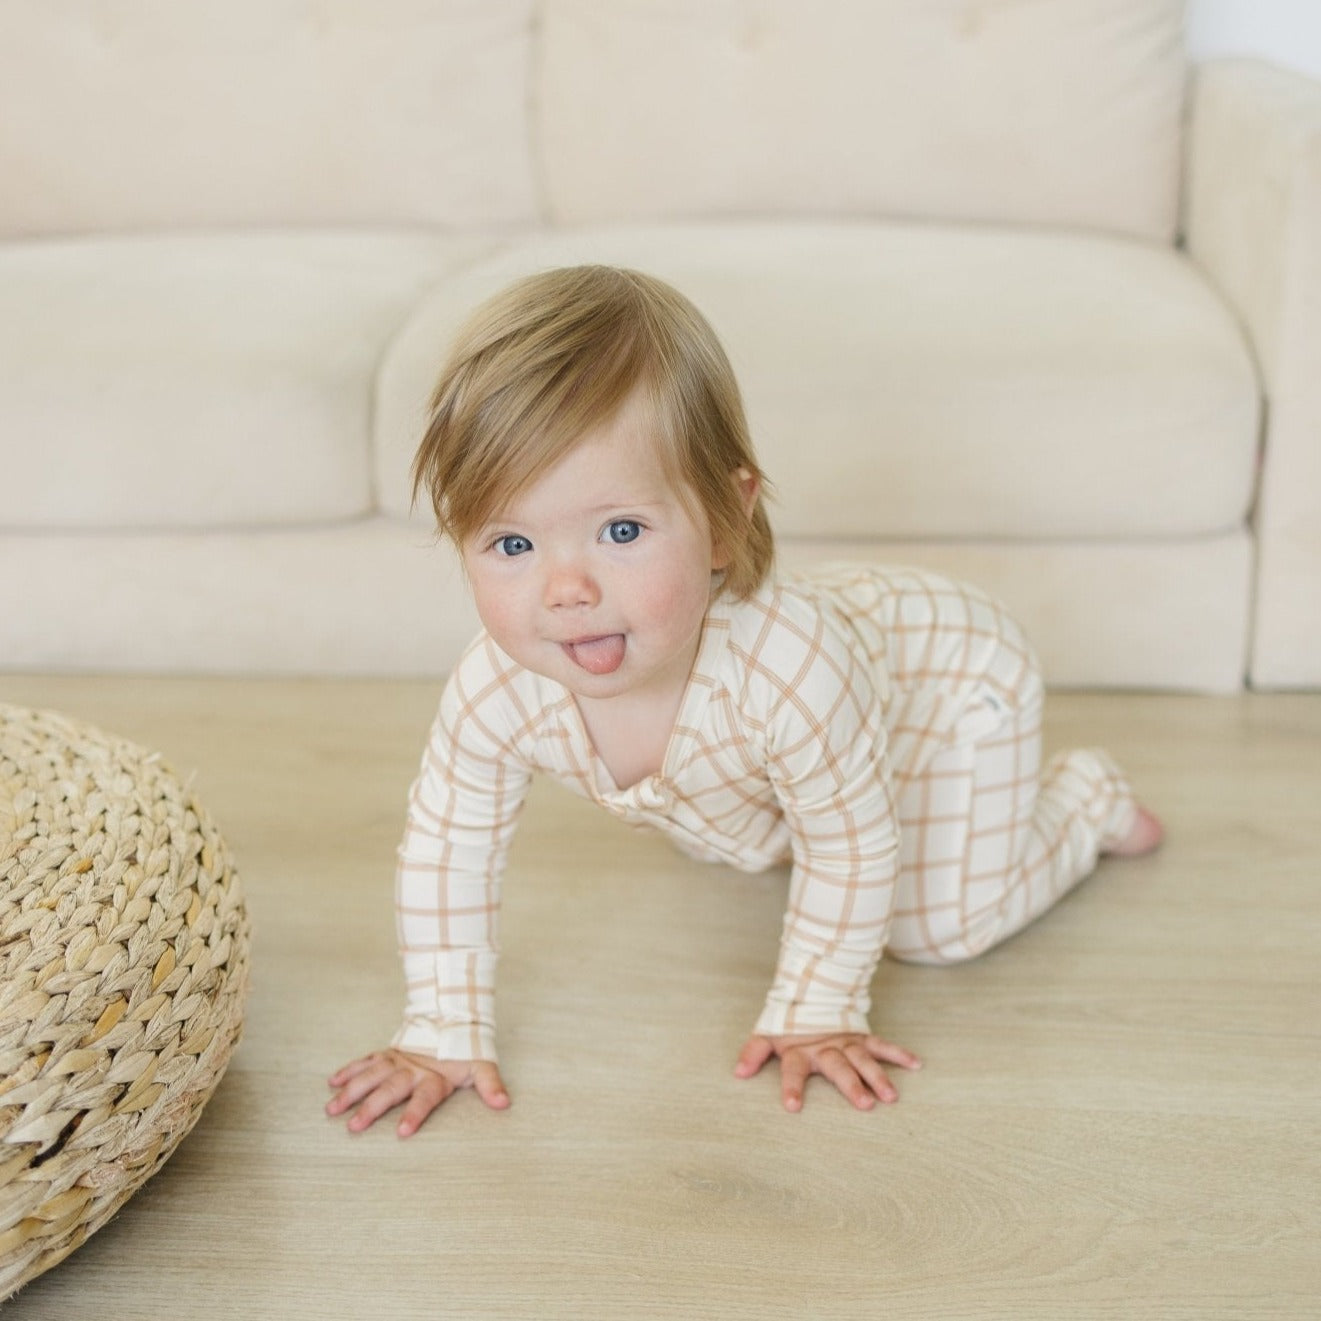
(512, 545)
(623, 531)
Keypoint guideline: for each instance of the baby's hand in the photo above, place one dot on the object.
(388, 1078)
(850, 1060)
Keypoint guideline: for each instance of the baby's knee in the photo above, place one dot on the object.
(931, 956)
(938, 947)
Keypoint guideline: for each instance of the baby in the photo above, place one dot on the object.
(587, 452)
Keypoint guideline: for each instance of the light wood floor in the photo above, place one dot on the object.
(1118, 1115)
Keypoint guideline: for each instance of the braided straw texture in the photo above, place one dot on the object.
(123, 969)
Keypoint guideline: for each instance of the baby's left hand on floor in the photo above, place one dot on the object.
(850, 1060)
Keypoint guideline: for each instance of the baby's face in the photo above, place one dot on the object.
(598, 575)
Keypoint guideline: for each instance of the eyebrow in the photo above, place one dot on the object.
(624, 504)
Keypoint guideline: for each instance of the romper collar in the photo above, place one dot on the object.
(655, 792)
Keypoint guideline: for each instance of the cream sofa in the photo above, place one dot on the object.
(1005, 298)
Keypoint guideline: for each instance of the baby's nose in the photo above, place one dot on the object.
(569, 586)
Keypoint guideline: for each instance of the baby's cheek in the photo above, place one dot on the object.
(496, 610)
(684, 595)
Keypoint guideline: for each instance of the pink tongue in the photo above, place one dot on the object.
(600, 655)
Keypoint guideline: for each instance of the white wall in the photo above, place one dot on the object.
(1285, 32)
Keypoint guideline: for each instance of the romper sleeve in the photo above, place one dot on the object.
(827, 761)
(462, 811)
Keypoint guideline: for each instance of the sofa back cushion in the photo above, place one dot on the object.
(145, 114)
(1040, 111)
(923, 382)
(192, 381)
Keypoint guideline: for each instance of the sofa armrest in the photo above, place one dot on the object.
(1252, 221)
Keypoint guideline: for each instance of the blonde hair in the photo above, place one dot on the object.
(554, 356)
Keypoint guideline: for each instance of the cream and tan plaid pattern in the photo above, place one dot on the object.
(826, 718)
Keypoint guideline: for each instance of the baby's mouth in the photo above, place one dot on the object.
(603, 655)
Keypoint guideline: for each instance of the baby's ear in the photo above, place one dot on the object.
(748, 485)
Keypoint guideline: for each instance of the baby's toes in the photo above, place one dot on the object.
(1144, 836)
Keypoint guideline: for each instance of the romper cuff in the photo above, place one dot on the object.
(446, 1041)
(804, 1019)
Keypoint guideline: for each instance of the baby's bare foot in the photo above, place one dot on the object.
(1144, 836)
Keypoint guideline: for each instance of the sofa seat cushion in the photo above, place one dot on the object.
(198, 381)
(379, 597)
(929, 381)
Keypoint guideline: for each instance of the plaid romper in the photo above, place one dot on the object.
(880, 728)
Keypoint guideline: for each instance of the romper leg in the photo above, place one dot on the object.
(988, 842)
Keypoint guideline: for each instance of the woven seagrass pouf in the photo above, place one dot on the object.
(123, 971)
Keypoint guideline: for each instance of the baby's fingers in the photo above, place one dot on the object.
(398, 1086)
(489, 1085)
(351, 1070)
(355, 1083)
(892, 1054)
(795, 1068)
(756, 1051)
(872, 1074)
(838, 1070)
(428, 1093)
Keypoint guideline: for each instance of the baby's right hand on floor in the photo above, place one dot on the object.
(378, 1082)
